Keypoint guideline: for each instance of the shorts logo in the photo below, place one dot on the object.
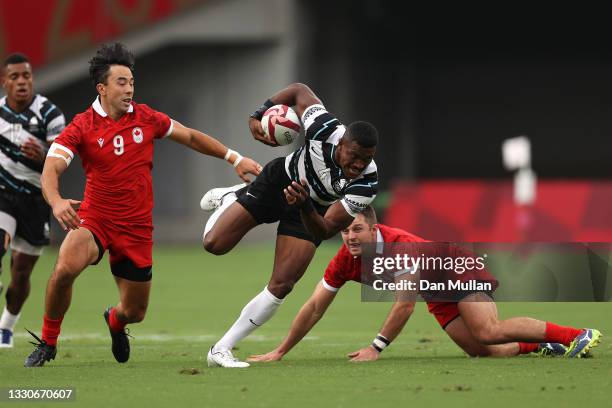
(46, 230)
(100, 142)
(138, 135)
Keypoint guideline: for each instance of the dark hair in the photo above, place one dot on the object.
(107, 55)
(15, 58)
(363, 133)
(370, 215)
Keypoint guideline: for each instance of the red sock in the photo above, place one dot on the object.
(115, 324)
(526, 348)
(560, 334)
(51, 330)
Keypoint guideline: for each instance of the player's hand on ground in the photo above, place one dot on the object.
(65, 213)
(273, 355)
(258, 133)
(33, 151)
(365, 354)
(297, 193)
(248, 166)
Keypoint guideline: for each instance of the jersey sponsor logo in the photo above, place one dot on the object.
(312, 111)
(354, 205)
(137, 135)
(100, 141)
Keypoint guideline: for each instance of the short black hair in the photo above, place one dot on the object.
(15, 58)
(363, 133)
(370, 215)
(107, 55)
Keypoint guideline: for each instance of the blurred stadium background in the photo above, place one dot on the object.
(443, 92)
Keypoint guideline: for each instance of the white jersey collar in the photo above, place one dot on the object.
(97, 106)
(380, 242)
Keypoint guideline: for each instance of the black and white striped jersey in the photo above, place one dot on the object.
(315, 163)
(42, 121)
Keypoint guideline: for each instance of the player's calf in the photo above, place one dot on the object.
(131, 314)
(281, 289)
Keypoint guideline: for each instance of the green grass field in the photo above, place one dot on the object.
(195, 298)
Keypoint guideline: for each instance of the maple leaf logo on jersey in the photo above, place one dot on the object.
(100, 142)
(138, 135)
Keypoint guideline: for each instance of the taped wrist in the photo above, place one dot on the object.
(380, 342)
(258, 114)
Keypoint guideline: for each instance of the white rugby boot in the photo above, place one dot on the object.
(214, 197)
(225, 359)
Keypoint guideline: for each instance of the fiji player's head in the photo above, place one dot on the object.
(362, 230)
(356, 148)
(17, 81)
(111, 71)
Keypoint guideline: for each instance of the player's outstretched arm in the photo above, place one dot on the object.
(396, 320)
(335, 220)
(208, 145)
(63, 209)
(298, 95)
(310, 313)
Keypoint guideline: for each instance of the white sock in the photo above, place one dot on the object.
(259, 310)
(227, 201)
(8, 320)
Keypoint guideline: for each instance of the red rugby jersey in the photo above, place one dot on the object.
(345, 267)
(117, 157)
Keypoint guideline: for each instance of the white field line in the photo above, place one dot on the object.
(202, 338)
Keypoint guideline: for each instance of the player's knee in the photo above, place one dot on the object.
(486, 334)
(213, 245)
(22, 268)
(280, 289)
(21, 281)
(63, 274)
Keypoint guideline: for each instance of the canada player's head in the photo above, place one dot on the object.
(17, 80)
(111, 71)
(356, 148)
(361, 231)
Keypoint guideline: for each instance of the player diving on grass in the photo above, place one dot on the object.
(114, 138)
(314, 193)
(472, 322)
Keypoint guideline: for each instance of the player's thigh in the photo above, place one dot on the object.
(291, 259)
(479, 312)
(459, 332)
(229, 229)
(78, 251)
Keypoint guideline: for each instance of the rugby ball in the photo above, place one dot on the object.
(281, 125)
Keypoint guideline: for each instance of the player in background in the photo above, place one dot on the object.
(114, 138)
(314, 192)
(29, 123)
(472, 323)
